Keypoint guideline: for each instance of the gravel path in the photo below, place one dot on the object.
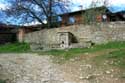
(32, 68)
(29, 68)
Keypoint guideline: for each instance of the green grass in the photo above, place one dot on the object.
(2, 81)
(67, 54)
(14, 48)
(117, 57)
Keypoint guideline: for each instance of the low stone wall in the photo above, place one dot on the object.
(96, 34)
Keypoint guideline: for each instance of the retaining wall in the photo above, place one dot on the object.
(97, 34)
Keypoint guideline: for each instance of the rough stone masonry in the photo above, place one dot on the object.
(76, 36)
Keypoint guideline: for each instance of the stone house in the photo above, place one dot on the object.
(96, 14)
(78, 17)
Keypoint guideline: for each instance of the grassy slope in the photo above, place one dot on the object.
(67, 54)
(118, 55)
(116, 58)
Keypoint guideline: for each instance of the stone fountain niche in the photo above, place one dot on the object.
(65, 39)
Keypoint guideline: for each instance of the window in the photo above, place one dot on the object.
(59, 19)
(71, 20)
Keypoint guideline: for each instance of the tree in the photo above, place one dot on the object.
(37, 10)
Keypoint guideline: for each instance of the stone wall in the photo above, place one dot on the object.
(96, 34)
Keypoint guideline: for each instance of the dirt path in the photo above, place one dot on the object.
(29, 68)
(32, 68)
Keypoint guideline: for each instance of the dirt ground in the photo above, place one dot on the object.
(33, 68)
(83, 69)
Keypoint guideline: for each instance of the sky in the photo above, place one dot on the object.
(84, 3)
(113, 2)
(2, 4)
(116, 5)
